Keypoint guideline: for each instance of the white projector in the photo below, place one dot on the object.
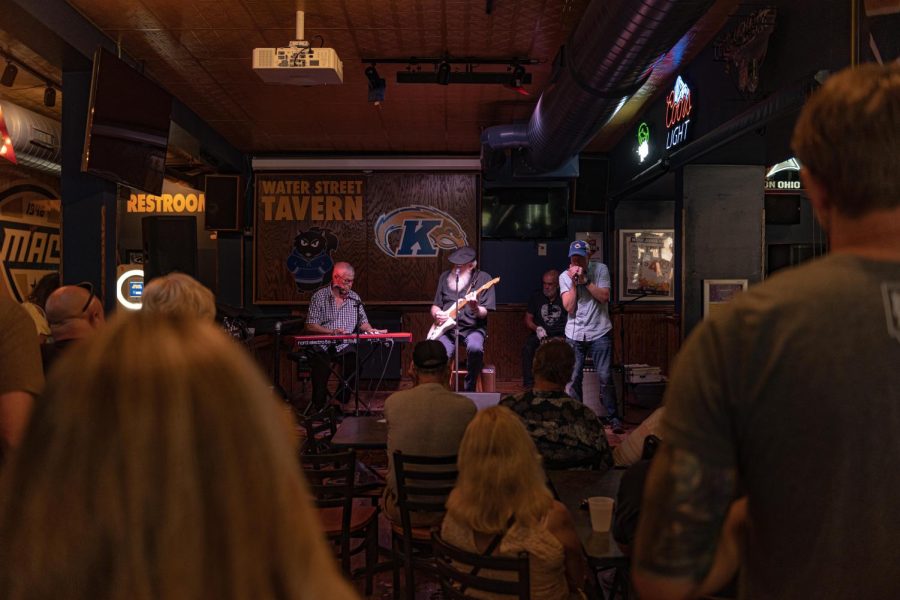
(298, 64)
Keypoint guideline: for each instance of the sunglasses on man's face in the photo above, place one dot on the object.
(86, 285)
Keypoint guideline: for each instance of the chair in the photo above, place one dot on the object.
(331, 479)
(320, 428)
(460, 571)
(422, 486)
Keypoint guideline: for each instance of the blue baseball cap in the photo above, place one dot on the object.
(578, 247)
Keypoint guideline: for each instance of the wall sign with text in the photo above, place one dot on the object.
(678, 114)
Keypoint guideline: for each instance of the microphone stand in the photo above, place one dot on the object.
(276, 367)
(358, 349)
(456, 337)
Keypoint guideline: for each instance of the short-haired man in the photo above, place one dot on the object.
(585, 296)
(789, 393)
(565, 431)
(335, 310)
(74, 312)
(545, 317)
(426, 420)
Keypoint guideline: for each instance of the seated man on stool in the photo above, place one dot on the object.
(464, 281)
(335, 310)
(546, 318)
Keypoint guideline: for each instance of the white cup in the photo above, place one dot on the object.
(601, 512)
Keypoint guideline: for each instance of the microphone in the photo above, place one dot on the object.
(456, 271)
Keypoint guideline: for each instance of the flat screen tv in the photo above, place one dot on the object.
(525, 212)
(127, 126)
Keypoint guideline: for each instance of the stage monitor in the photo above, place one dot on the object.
(483, 400)
(525, 212)
(127, 131)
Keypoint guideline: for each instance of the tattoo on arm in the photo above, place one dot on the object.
(685, 503)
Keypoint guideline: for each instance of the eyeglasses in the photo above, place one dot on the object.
(86, 285)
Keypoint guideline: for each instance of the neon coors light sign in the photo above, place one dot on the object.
(678, 111)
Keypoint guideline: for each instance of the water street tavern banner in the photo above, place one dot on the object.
(396, 229)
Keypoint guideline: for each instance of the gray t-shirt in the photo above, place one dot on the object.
(591, 319)
(796, 384)
(427, 420)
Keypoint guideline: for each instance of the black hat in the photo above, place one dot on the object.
(429, 354)
(463, 255)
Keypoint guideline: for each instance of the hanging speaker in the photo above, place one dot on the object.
(591, 187)
(223, 205)
(170, 244)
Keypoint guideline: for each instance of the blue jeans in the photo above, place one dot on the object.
(600, 351)
(474, 342)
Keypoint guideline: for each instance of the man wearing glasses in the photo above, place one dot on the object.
(335, 310)
(74, 313)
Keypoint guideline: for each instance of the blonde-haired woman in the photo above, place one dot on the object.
(156, 466)
(179, 294)
(501, 491)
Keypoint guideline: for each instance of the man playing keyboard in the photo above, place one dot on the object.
(333, 310)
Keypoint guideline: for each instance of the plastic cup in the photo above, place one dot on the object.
(601, 509)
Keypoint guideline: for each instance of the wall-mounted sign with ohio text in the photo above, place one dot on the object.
(166, 203)
(311, 198)
(678, 113)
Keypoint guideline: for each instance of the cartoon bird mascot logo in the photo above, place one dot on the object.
(310, 261)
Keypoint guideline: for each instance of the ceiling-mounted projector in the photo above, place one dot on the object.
(298, 64)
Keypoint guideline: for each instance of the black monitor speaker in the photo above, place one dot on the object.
(223, 204)
(782, 209)
(170, 244)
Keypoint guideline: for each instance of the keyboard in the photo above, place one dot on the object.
(401, 337)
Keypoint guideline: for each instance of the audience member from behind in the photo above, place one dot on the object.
(564, 430)
(21, 376)
(500, 493)
(180, 295)
(37, 299)
(545, 318)
(426, 420)
(156, 466)
(791, 389)
(74, 313)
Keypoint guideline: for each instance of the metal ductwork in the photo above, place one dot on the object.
(608, 58)
(36, 138)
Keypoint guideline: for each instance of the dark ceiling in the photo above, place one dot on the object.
(201, 52)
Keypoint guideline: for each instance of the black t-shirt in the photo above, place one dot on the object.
(444, 297)
(548, 314)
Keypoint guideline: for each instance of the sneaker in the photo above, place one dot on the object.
(616, 426)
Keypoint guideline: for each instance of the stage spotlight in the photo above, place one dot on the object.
(377, 85)
(49, 97)
(9, 74)
(443, 73)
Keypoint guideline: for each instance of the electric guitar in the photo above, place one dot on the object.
(437, 331)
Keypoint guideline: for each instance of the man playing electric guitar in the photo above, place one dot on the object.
(471, 317)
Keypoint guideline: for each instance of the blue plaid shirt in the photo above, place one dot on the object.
(323, 311)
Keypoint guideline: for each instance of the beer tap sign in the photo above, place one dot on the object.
(678, 112)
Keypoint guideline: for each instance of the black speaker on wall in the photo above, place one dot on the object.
(170, 244)
(592, 185)
(782, 209)
(223, 204)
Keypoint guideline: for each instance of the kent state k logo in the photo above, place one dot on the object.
(422, 230)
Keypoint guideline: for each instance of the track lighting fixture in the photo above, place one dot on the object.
(49, 96)
(377, 85)
(9, 74)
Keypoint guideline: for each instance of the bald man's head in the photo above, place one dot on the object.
(73, 312)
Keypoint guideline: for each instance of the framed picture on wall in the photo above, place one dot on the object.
(646, 265)
(718, 292)
(595, 243)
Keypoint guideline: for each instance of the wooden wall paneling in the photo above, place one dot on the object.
(413, 279)
(650, 337)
